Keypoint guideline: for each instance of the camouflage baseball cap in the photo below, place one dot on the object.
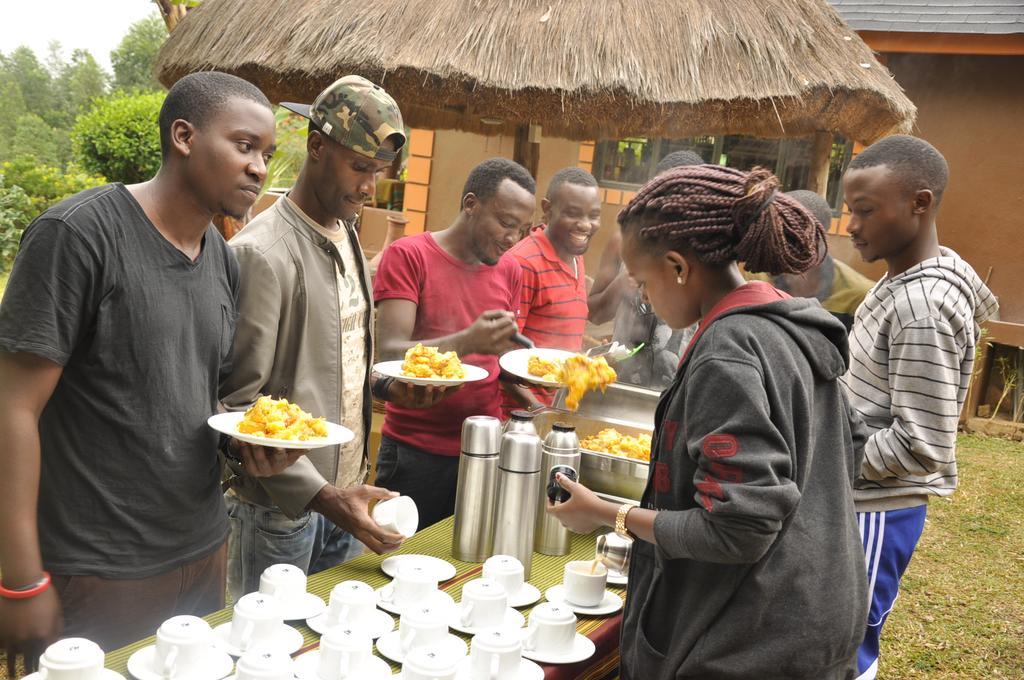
(358, 115)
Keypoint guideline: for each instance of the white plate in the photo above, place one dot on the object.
(582, 649)
(513, 619)
(140, 665)
(393, 369)
(527, 595)
(609, 605)
(374, 669)
(105, 674)
(618, 578)
(377, 624)
(287, 640)
(390, 646)
(228, 424)
(443, 570)
(516, 362)
(528, 670)
(438, 599)
(306, 606)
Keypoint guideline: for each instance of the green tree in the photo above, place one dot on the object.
(81, 81)
(134, 57)
(119, 137)
(34, 81)
(12, 106)
(15, 214)
(33, 137)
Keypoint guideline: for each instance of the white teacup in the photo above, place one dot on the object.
(72, 659)
(413, 585)
(352, 602)
(551, 630)
(398, 515)
(261, 663)
(496, 654)
(183, 647)
(343, 651)
(421, 627)
(286, 582)
(431, 663)
(506, 570)
(256, 620)
(585, 583)
(484, 604)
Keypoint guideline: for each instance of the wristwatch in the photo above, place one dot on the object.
(620, 520)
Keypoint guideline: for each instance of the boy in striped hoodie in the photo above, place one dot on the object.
(911, 357)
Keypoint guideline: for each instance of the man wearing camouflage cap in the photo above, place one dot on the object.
(305, 334)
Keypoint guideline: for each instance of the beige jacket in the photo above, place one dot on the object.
(288, 343)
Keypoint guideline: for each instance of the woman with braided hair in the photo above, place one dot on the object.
(747, 561)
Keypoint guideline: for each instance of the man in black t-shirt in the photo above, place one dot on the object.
(116, 326)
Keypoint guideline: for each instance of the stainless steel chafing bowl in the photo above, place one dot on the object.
(606, 474)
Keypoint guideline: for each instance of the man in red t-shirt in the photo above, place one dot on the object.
(553, 309)
(452, 290)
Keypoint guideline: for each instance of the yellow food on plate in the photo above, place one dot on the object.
(545, 369)
(427, 362)
(279, 419)
(610, 440)
(581, 373)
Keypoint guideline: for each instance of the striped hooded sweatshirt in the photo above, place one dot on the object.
(911, 357)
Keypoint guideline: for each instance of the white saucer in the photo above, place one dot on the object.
(306, 606)
(609, 605)
(582, 649)
(140, 665)
(443, 570)
(438, 599)
(374, 669)
(377, 624)
(527, 595)
(287, 640)
(528, 670)
(390, 646)
(618, 578)
(513, 619)
(105, 674)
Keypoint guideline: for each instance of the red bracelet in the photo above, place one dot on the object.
(36, 589)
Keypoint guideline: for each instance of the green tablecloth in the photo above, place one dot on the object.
(436, 540)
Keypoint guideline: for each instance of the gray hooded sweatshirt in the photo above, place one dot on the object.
(758, 570)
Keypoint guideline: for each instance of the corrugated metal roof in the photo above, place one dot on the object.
(994, 17)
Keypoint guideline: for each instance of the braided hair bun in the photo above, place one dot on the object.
(722, 215)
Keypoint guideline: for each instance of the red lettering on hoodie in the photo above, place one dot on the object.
(662, 478)
(718, 446)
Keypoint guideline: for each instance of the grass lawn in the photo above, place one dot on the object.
(961, 611)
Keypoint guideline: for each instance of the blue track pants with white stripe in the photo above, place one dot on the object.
(889, 540)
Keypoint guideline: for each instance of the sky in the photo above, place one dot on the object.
(96, 25)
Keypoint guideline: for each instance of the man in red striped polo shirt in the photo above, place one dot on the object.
(553, 310)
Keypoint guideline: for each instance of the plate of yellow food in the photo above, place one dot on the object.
(611, 441)
(425, 365)
(559, 368)
(281, 424)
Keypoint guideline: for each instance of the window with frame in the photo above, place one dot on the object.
(628, 163)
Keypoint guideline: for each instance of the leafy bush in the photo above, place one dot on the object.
(15, 214)
(119, 137)
(46, 184)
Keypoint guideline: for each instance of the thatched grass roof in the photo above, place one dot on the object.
(583, 69)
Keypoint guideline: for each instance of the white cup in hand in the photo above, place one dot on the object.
(397, 515)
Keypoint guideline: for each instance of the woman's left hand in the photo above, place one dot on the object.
(582, 513)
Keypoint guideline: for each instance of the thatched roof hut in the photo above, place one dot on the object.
(582, 69)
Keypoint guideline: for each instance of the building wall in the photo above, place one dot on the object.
(455, 154)
(972, 110)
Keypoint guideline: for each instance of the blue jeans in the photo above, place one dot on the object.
(261, 537)
(429, 479)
